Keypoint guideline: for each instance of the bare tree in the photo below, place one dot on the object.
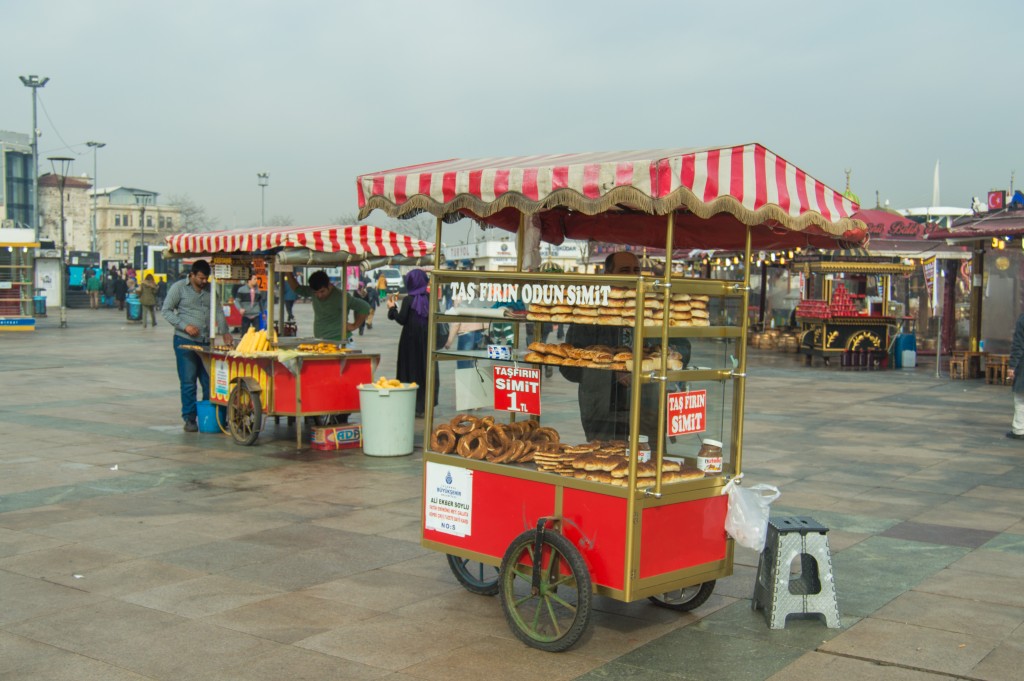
(280, 221)
(193, 216)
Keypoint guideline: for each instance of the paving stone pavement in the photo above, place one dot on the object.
(130, 550)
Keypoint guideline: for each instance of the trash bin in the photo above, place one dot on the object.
(207, 416)
(134, 308)
(387, 416)
(40, 305)
(904, 351)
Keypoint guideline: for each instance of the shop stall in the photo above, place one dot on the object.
(19, 305)
(526, 501)
(267, 375)
(847, 309)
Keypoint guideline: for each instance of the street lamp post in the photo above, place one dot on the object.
(35, 82)
(96, 146)
(142, 199)
(263, 179)
(64, 162)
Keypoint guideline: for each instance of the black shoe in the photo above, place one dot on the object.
(419, 414)
(1015, 436)
(191, 427)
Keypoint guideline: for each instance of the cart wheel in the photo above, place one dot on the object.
(245, 415)
(478, 578)
(553, 615)
(686, 599)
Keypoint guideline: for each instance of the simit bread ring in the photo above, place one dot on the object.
(443, 440)
(497, 439)
(544, 435)
(472, 445)
(463, 423)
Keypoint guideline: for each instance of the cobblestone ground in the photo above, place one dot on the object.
(132, 550)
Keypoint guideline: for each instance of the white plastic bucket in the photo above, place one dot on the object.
(387, 415)
(908, 359)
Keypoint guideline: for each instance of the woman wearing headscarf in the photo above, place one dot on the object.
(412, 314)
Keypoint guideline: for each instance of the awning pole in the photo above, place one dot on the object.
(271, 333)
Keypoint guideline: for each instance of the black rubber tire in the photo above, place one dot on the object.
(245, 415)
(556, 617)
(684, 600)
(475, 577)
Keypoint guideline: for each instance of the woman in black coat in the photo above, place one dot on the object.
(412, 314)
(120, 292)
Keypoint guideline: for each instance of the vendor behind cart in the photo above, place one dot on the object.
(604, 396)
(327, 306)
(187, 308)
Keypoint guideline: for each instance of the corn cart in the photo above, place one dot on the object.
(293, 377)
(526, 507)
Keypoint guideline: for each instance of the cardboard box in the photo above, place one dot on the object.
(345, 436)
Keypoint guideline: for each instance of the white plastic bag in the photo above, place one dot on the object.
(747, 518)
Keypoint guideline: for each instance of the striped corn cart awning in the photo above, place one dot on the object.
(718, 188)
(360, 241)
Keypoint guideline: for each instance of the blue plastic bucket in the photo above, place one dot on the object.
(207, 414)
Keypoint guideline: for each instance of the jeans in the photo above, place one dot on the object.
(190, 369)
(467, 341)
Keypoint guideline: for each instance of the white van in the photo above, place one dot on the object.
(393, 278)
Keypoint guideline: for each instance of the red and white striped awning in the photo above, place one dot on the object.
(357, 240)
(717, 191)
(747, 177)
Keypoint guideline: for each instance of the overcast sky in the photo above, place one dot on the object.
(196, 97)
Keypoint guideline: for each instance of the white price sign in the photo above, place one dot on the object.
(448, 500)
(220, 379)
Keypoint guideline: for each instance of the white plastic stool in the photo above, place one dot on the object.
(813, 590)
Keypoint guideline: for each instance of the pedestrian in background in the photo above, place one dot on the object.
(93, 285)
(1016, 374)
(120, 291)
(147, 298)
(161, 293)
(466, 336)
(382, 287)
(412, 343)
(249, 301)
(290, 297)
(108, 287)
(364, 294)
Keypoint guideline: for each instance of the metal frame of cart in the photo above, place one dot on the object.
(546, 543)
(302, 384)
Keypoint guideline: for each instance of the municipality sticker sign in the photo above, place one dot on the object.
(448, 500)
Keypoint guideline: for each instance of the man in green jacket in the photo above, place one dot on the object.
(93, 286)
(327, 299)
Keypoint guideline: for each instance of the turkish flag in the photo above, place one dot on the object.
(997, 200)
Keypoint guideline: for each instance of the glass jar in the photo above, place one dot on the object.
(709, 458)
(643, 449)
